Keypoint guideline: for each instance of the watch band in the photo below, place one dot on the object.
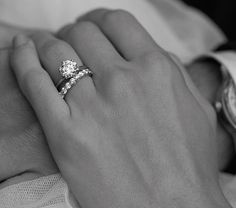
(223, 105)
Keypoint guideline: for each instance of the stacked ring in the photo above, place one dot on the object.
(71, 73)
(73, 81)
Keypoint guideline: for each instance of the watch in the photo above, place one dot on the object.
(225, 103)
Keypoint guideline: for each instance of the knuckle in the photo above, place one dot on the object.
(121, 83)
(53, 48)
(151, 58)
(158, 64)
(82, 27)
(112, 17)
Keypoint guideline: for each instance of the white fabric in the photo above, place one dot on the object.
(45, 192)
(174, 26)
(227, 59)
(52, 192)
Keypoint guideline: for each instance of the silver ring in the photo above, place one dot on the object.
(73, 80)
(68, 69)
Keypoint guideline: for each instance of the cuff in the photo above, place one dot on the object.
(227, 60)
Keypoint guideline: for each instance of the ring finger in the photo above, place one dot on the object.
(52, 52)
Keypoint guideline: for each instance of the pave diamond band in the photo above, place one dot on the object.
(73, 80)
(68, 69)
(71, 73)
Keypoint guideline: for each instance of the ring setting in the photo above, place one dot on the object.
(68, 69)
(71, 73)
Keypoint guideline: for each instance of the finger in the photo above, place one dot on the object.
(63, 31)
(35, 82)
(92, 46)
(124, 31)
(52, 52)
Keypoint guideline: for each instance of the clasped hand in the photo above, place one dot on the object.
(136, 134)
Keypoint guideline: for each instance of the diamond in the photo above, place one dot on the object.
(68, 69)
(63, 90)
(80, 73)
(61, 94)
(68, 85)
(72, 81)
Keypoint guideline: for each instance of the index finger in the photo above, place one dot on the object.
(36, 84)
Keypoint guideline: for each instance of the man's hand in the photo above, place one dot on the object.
(7, 32)
(24, 153)
(23, 149)
(207, 77)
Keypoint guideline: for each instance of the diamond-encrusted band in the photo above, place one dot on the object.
(73, 80)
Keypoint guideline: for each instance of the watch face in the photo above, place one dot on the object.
(229, 102)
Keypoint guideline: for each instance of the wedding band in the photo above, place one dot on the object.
(73, 80)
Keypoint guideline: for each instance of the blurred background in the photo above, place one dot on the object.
(223, 12)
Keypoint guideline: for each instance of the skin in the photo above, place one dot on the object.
(126, 135)
(7, 32)
(207, 78)
(24, 153)
(23, 149)
(28, 147)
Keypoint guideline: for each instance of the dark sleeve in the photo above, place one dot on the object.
(222, 12)
(227, 46)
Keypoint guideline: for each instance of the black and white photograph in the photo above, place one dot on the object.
(117, 104)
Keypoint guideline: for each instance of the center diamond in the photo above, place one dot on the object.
(68, 69)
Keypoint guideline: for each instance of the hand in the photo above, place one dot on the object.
(23, 149)
(207, 78)
(138, 134)
(7, 32)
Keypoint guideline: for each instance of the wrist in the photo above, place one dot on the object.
(207, 77)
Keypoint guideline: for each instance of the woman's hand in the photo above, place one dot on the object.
(206, 76)
(136, 134)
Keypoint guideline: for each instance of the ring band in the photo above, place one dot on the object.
(66, 79)
(73, 80)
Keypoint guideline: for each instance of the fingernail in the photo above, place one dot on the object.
(20, 40)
